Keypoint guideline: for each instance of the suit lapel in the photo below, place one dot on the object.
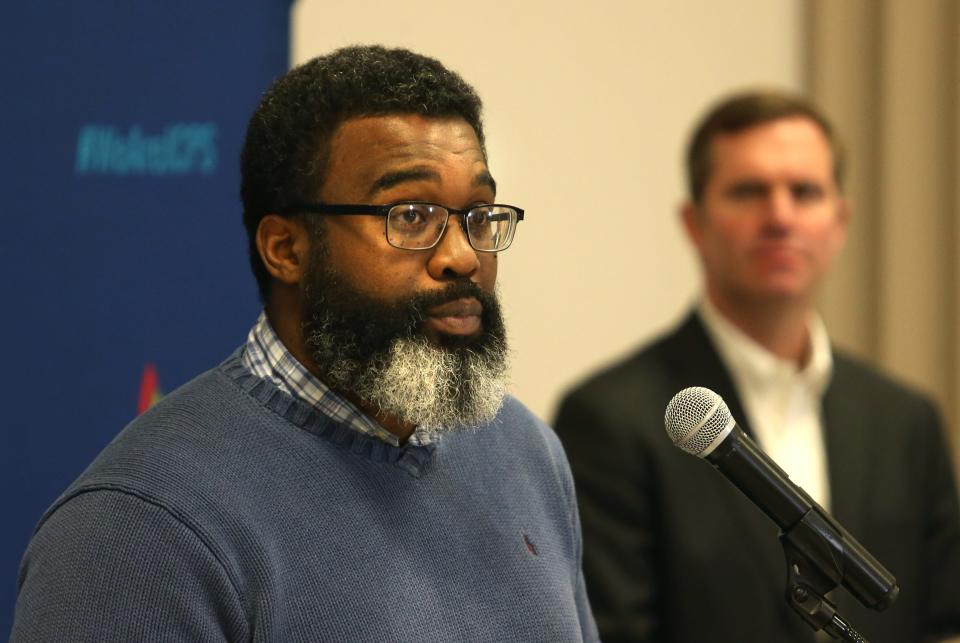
(849, 452)
(702, 365)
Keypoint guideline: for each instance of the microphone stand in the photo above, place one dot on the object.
(810, 576)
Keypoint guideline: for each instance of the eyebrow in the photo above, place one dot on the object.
(391, 179)
(485, 179)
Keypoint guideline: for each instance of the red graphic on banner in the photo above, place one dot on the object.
(150, 392)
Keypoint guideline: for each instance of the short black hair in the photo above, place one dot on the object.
(287, 145)
(748, 109)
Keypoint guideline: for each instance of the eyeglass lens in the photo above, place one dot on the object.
(416, 226)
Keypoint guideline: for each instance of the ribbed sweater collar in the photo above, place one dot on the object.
(413, 458)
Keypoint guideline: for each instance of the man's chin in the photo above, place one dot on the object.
(439, 383)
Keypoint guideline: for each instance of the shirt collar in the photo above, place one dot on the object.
(751, 361)
(268, 358)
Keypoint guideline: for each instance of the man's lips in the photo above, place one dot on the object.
(778, 252)
(458, 317)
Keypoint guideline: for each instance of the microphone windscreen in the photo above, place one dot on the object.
(697, 420)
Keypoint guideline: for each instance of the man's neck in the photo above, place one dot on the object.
(780, 327)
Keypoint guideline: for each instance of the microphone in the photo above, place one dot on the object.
(699, 422)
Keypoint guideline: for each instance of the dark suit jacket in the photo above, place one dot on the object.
(674, 553)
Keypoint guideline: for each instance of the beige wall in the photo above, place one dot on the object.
(588, 105)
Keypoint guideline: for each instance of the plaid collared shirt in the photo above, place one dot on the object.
(266, 356)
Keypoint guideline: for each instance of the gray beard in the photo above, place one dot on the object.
(435, 388)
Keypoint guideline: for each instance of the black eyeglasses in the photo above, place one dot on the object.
(417, 225)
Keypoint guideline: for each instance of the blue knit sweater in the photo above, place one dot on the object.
(233, 512)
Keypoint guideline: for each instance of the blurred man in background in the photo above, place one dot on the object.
(675, 554)
(355, 471)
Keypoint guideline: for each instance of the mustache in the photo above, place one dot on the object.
(424, 301)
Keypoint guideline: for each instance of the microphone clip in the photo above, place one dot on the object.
(813, 570)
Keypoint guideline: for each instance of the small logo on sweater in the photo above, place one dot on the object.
(150, 392)
(530, 546)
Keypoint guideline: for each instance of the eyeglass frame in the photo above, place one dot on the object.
(346, 209)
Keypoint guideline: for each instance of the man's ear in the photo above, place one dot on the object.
(690, 216)
(844, 211)
(844, 214)
(284, 247)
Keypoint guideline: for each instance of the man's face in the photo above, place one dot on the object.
(771, 219)
(416, 334)
(408, 158)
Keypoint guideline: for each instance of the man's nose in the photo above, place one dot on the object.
(781, 207)
(453, 256)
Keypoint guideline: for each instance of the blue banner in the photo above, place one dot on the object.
(123, 253)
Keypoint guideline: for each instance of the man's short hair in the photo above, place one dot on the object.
(745, 110)
(287, 146)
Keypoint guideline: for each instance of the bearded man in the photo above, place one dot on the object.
(355, 471)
